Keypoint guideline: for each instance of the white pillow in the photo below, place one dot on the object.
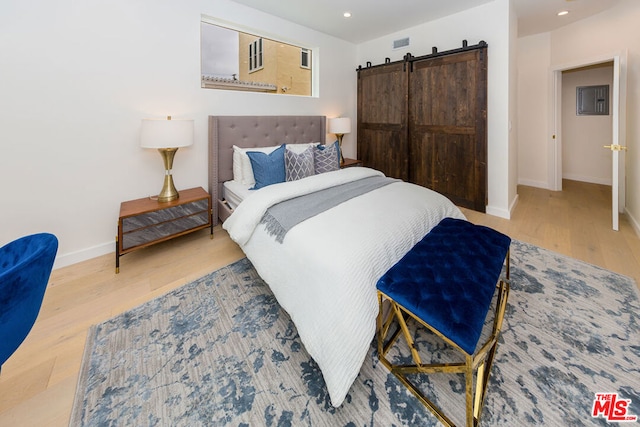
(300, 148)
(242, 170)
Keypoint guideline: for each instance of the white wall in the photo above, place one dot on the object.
(534, 89)
(513, 125)
(493, 23)
(583, 137)
(600, 37)
(76, 78)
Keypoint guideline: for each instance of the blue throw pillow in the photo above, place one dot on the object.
(327, 158)
(267, 168)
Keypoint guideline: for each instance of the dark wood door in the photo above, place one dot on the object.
(447, 126)
(382, 119)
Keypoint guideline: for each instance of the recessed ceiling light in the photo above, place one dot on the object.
(563, 12)
(347, 14)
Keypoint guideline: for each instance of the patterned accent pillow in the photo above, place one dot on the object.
(267, 168)
(299, 166)
(326, 158)
(299, 148)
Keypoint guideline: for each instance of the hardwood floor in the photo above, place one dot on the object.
(575, 222)
(38, 382)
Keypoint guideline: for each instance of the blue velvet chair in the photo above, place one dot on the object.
(25, 267)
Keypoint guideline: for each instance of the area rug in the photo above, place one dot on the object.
(220, 351)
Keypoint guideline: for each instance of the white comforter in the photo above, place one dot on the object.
(324, 274)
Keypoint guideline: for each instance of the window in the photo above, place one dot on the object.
(233, 59)
(255, 55)
(305, 58)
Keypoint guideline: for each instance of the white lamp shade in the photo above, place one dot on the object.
(340, 125)
(166, 133)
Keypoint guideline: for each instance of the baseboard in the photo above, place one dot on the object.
(67, 259)
(502, 213)
(589, 179)
(633, 221)
(513, 205)
(537, 184)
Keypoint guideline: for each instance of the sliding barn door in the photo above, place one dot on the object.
(447, 126)
(382, 119)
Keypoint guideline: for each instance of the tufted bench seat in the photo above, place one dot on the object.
(446, 282)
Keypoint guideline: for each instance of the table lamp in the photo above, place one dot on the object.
(167, 136)
(339, 126)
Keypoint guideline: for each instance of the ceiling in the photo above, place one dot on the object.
(373, 19)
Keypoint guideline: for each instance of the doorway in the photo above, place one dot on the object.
(613, 137)
(584, 134)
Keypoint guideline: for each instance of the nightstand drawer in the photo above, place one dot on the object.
(158, 231)
(164, 215)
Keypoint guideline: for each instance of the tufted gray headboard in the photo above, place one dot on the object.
(253, 131)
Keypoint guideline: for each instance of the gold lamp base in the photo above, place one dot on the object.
(340, 135)
(168, 192)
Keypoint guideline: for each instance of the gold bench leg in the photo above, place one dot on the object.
(477, 365)
(479, 397)
(468, 376)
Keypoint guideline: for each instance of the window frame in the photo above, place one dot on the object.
(305, 54)
(256, 61)
(214, 82)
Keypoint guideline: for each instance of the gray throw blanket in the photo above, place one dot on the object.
(283, 216)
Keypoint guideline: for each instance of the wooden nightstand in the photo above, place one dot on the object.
(351, 162)
(145, 222)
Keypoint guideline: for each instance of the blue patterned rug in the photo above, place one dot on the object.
(220, 351)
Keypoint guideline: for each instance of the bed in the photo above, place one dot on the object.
(324, 270)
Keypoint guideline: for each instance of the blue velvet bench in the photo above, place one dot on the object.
(446, 283)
